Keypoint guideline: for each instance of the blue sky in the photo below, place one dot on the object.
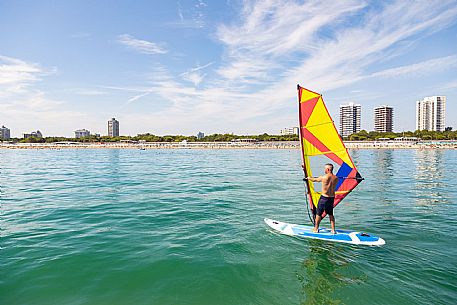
(180, 67)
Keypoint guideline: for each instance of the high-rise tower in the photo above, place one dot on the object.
(430, 113)
(383, 119)
(4, 133)
(350, 119)
(113, 128)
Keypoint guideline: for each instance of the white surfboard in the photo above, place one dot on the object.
(341, 236)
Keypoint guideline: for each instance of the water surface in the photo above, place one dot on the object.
(186, 227)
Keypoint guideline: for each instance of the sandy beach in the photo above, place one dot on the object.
(153, 145)
(229, 145)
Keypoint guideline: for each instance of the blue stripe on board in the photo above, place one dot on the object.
(321, 230)
(322, 235)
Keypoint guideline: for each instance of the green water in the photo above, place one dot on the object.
(186, 227)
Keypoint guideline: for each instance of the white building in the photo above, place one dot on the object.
(5, 133)
(350, 119)
(200, 135)
(383, 119)
(430, 113)
(35, 134)
(289, 131)
(81, 133)
(113, 128)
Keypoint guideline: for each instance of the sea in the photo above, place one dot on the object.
(185, 226)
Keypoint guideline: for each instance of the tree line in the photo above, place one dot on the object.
(155, 138)
(363, 135)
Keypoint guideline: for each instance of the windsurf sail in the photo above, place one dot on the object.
(319, 137)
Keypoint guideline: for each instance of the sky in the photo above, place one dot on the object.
(181, 67)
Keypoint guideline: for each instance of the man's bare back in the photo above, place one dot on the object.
(329, 182)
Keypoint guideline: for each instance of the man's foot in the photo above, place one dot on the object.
(315, 230)
(333, 232)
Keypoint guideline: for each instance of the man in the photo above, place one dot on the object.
(329, 182)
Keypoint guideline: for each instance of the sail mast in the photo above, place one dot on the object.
(309, 199)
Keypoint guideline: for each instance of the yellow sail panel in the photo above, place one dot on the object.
(321, 125)
(314, 196)
(332, 141)
(319, 115)
(307, 95)
(307, 169)
(310, 149)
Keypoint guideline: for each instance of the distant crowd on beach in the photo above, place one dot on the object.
(449, 144)
(402, 144)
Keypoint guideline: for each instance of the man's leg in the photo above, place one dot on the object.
(332, 223)
(318, 221)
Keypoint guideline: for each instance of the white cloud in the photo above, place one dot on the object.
(276, 44)
(15, 74)
(34, 110)
(180, 13)
(199, 15)
(267, 49)
(195, 75)
(273, 32)
(89, 92)
(22, 105)
(450, 85)
(142, 46)
(136, 97)
(343, 60)
(192, 18)
(421, 68)
(34, 102)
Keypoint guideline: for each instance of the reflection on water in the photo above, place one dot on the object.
(384, 170)
(355, 156)
(429, 176)
(323, 273)
(1, 182)
(429, 163)
(384, 159)
(115, 175)
(113, 162)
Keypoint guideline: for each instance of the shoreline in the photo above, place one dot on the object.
(229, 145)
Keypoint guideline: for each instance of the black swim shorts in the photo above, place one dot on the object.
(325, 204)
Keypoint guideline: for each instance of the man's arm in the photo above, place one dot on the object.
(317, 179)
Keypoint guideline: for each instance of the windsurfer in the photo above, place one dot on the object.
(329, 182)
